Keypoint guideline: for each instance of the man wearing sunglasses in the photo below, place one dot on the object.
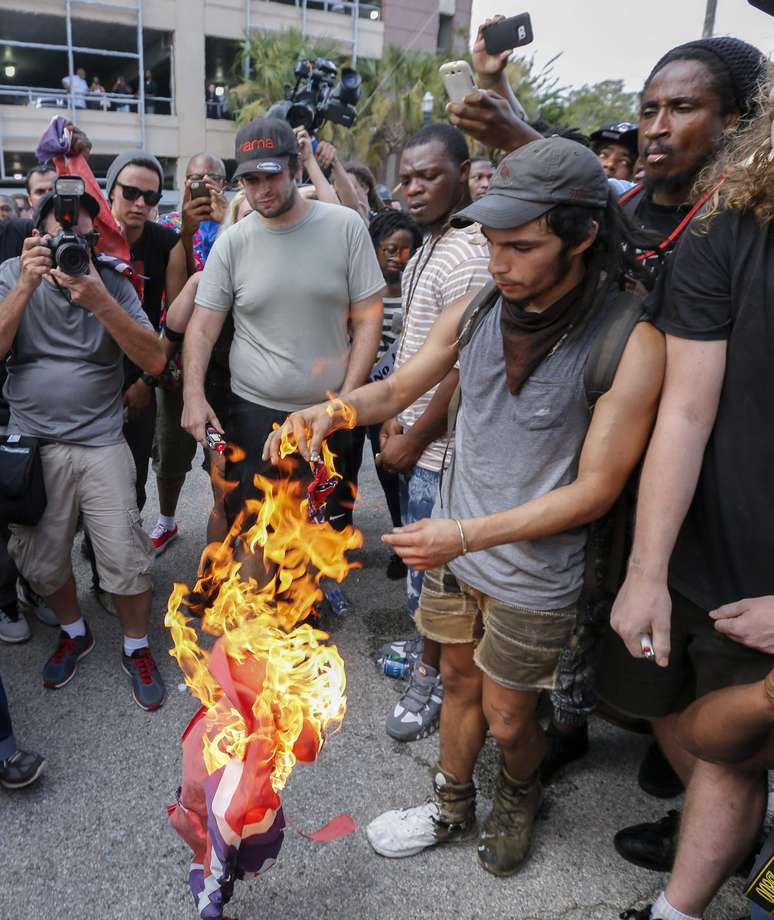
(133, 188)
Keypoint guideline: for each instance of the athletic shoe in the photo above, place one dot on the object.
(631, 914)
(410, 649)
(34, 602)
(396, 568)
(337, 600)
(505, 836)
(60, 667)
(21, 769)
(148, 688)
(161, 536)
(563, 749)
(418, 711)
(13, 625)
(656, 776)
(449, 817)
(651, 845)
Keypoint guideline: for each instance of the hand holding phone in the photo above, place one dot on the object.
(507, 34)
(200, 189)
(457, 80)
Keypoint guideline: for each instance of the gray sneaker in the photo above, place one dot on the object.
(418, 711)
(410, 649)
(13, 626)
(148, 688)
(21, 769)
(34, 602)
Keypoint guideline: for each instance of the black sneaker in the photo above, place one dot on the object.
(651, 845)
(563, 748)
(396, 568)
(21, 769)
(148, 688)
(60, 667)
(656, 776)
(631, 914)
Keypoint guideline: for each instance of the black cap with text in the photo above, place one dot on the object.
(264, 145)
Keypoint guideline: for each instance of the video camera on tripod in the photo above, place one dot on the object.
(317, 97)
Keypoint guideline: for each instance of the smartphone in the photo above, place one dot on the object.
(508, 34)
(457, 80)
(199, 190)
(765, 6)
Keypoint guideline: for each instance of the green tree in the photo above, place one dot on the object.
(591, 106)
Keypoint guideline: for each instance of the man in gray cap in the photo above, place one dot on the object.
(504, 551)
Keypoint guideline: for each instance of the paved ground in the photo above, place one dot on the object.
(91, 839)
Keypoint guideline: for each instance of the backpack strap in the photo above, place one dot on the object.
(625, 311)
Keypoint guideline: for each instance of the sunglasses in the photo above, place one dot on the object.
(200, 177)
(132, 193)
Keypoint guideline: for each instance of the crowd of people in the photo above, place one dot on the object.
(557, 350)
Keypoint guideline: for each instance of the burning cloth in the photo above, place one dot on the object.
(271, 688)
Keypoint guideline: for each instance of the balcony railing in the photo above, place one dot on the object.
(44, 97)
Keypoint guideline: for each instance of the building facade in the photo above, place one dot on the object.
(175, 60)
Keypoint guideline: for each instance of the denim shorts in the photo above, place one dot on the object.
(517, 647)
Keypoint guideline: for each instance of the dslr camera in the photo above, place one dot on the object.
(317, 97)
(71, 251)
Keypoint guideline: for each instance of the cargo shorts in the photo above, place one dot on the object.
(99, 484)
(517, 647)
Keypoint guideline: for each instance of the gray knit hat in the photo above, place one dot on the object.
(124, 159)
(744, 63)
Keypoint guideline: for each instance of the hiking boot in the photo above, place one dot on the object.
(396, 568)
(21, 769)
(504, 839)
(34, 602)
(161, 536)
(60, 667)
(410, 649)
(418, 711)
(651, 845)
(449, 817)
(13, 624)
(656, 776)
(563, 749)
(148, 689)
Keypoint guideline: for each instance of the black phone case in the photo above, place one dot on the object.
(508, 34)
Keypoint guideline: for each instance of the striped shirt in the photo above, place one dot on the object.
(457, 266)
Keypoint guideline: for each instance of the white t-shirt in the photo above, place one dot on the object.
(80, 87)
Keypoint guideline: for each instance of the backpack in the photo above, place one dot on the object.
(609, 537)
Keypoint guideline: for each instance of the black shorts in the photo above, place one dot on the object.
(701, 660)
(248, 426)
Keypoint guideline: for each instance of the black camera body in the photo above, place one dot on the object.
(71, 251)
(317, 97)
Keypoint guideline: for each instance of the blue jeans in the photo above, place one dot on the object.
(758, 913)
(417, 497)
(7, 740)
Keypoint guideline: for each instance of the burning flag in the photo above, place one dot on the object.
(271, 689)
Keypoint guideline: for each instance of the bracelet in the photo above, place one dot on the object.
(462, 537)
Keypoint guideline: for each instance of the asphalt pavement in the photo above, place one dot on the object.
(91, 840)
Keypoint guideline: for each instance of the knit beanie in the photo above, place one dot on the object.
(123, 160)
(745, 64)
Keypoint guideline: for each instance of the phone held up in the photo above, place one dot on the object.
(457, 80)
(199, 189)
(508, 34)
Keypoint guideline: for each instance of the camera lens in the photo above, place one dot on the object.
(300, 114)
(73, 259)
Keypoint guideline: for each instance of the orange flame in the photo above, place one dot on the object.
(300, 680)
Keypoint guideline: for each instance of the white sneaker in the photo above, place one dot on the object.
(396, 834)
(34, 602)
(14, 629)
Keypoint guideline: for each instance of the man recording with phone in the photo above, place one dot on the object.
(65, 315)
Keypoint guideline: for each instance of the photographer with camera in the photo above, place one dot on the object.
(298, 333)
(65, 315)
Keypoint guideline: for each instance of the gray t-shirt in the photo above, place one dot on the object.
(65, 370)
(291, 291)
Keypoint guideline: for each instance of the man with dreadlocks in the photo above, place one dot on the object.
(700, 573)
(503, 554)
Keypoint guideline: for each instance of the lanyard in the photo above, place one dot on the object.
(675, 234)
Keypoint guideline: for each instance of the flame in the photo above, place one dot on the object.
(297, 678)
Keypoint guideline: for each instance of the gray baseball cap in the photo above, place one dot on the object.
(534, 179)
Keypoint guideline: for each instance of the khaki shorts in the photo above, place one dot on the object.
(517, 647)
(98, 483)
